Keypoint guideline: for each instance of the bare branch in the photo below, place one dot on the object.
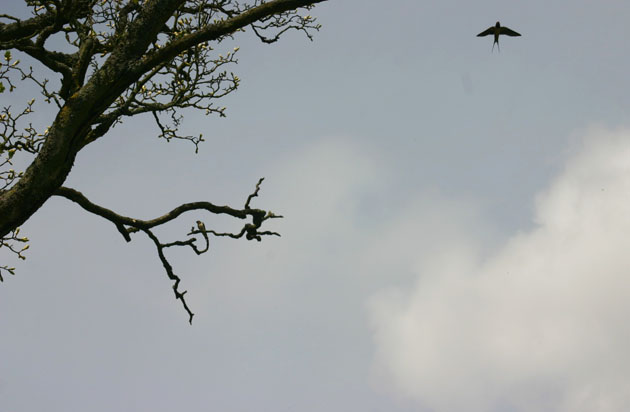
(169, 272)
(254, 194)
(127, 225)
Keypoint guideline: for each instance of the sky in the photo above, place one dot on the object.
(454, 232)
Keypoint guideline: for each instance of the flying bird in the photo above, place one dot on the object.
(496, 30)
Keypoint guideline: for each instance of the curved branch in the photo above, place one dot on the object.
(85, 203)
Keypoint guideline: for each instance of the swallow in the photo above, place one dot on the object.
(496, 30)
(201, 227)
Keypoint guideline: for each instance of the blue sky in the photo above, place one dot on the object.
(453, 240)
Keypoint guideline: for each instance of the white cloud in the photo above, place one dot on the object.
(539, 324)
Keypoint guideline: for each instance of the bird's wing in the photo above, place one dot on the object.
(509, 32)
(489, 30)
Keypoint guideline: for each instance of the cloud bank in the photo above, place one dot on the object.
(541, 323)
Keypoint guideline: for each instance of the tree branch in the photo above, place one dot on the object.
(25, 28)
(56, 61)
(127, 225)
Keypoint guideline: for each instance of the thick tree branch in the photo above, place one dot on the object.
(25, 28)
(56, 61)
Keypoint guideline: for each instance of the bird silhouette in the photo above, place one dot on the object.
(496, 30)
